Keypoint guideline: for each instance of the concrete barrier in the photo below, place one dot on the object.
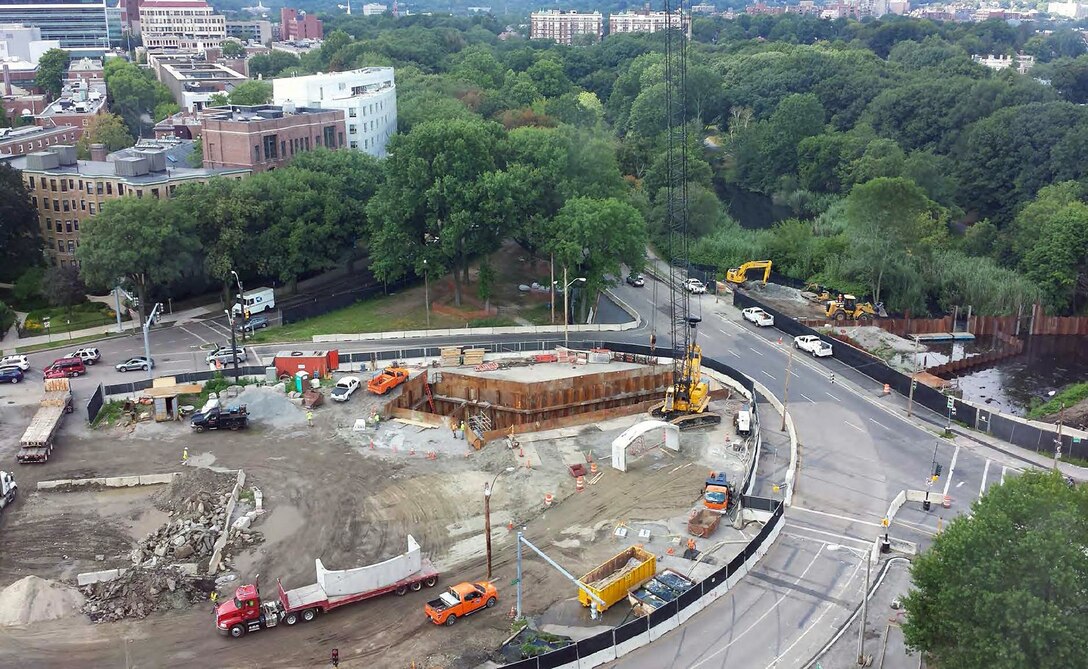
(791, 470)
(111, 482)
(90, 577)
(217, 548)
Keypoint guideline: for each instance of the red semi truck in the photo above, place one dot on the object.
(247, 612)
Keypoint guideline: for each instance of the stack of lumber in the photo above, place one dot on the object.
(451, 357)
(474, 356)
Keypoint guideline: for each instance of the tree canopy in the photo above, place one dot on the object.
(52, 69)
(20, 240)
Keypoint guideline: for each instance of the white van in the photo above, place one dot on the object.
(743, 422)
(256, 301)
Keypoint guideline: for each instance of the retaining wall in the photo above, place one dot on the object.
(217, 548)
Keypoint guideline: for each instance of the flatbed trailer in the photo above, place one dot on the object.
(312, 598)
(36, 444)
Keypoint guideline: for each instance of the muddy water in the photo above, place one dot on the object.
(1047, 364)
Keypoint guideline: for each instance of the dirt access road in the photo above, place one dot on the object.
(327, 497)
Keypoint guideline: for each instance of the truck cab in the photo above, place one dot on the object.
(8, 489)
(245, 613)
(461, 600)
(717, 492)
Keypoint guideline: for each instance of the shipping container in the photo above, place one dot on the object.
(618, 576)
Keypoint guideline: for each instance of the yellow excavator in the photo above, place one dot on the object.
(849, 308)
(739, 275)
(687, 398)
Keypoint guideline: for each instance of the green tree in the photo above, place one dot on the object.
(20, 239)
(592, 237)
(144, 240)
(63, 286)
(1003, 587)
(478, 65)
(52, 68)
(251, 93)
(232, 48)
(165, 110)
(1058, 260)
(485, 284)
(134, 94)
(108, 129)
(270, 65)
(548, 77)
(218, 100)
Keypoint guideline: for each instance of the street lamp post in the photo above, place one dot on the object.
(786, 389)
(233, 342)
(427, 293)
(147, 342)
(242, 301)
(488, 489)
(864, 611)
(913, 379)
(566, 304)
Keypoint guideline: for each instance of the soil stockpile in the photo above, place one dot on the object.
(32, 600)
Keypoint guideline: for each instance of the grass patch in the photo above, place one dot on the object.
(109, 414)
(66, 319)
(246, 495)
(541, 314)
(492, 322)
(1068, 396)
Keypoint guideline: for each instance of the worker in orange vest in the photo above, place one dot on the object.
(691, 544)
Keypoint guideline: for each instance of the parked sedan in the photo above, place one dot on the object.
(135, 364)
(254, 323)
(635, 280)
(10, 375)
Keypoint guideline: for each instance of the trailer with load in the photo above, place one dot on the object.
(36, 445)
(659, 591)
(618, 576)
(246, 612)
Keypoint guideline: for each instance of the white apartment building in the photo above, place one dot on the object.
(184, 25)
(374, 9)
(564, 27)
(645, 21)
(368, 98)
(1022, 63)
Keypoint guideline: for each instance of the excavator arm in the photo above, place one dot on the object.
(740, 275)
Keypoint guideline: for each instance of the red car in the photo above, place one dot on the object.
(65, 368)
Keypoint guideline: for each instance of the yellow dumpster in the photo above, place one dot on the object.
(618, 576)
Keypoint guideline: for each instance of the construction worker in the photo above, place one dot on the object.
(214, 597)
(463, 430)
(310, 418)
(691, 544)
(185, 456)
(653, 343)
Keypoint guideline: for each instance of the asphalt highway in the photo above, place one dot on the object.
(858, 450)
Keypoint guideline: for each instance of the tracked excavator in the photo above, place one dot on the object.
(739, 275)
(688, 398)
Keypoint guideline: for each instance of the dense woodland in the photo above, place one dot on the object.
(907, 172)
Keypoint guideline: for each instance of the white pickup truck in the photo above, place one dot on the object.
(814, 345)
(695, 287)
(757, 316)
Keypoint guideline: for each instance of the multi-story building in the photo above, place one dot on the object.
(1022, 63)
(297, 47)
(367, 97)
(66, 192)
(250, 31)
(20, 103)
(1069, 10)
(182, 125)
(85, 69)
(24, 43)
(565, 27)
(646, 21)
(295, 25)
(193, 82)
(264, 137)
(183, 25)
(80, 26)
(21, 141)
(78, 104)
(374, 9)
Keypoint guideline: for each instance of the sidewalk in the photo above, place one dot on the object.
(12, 343)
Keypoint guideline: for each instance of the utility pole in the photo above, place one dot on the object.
(117, 301)
(786, 390)
(1058, 441)
(427, 293)
(566, 304)
(242, 301)
(147, 342)
(913, 379)
(488, 489)
(864, 610)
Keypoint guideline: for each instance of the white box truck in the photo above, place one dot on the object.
(256, 301)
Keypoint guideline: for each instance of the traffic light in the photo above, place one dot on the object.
(937, 471)
(246, 313)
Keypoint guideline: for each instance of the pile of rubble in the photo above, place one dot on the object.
(141, 592)
(190, 536)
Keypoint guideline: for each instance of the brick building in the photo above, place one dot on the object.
(78, 104)
(296, 25)
(564, 27)
(264, 137)
(86, 68)
(67, 192)
(21, 141)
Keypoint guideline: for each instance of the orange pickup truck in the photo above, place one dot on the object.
(390, 378)
(461, 600)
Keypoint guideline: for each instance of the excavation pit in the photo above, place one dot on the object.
(526, 396)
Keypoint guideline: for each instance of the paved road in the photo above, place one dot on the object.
(858, 451)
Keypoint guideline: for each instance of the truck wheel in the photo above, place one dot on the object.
(416, 586)
(291, 618)
(238, 631)
(309, 614)
(401, 590)
(199, 428)
(451, 620)
(431, 581)
(491, 602)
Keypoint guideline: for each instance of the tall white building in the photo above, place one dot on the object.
(645, 21)
(368, 98)
(185, 25)
(564, 27)
(374, 9)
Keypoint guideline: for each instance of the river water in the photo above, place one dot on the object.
(1048, 363)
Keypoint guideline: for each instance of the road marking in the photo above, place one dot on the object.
(217, 328)
(757, 621)
(951, 469)
(734, 353)
(832, 396)
(842, 537)
(871, 420)
(755, 351)
(916, 527)
(772, 378)
(985, 471)
(859, 429)
(193, 334)
(834, 515)
(960, 483)
(807, 397)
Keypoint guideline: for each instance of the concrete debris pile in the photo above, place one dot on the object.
(141, 592)
(239, 540)
(189, 537)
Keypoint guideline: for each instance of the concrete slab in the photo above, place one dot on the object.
(546, 371)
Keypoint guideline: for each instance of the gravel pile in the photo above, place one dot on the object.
(270, 407)
(32, 600)
(141, 592)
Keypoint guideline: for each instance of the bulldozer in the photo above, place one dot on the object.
(687, 398)
(739, 275)
(849, 308)
(814, 292)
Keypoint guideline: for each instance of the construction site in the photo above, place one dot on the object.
(563, 442)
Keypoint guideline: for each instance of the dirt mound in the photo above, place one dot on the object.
(196, 484)
(32, 600)
(1075, 416)
(270, 407)
(141, 592)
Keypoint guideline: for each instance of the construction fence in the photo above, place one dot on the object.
(1038, 437)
